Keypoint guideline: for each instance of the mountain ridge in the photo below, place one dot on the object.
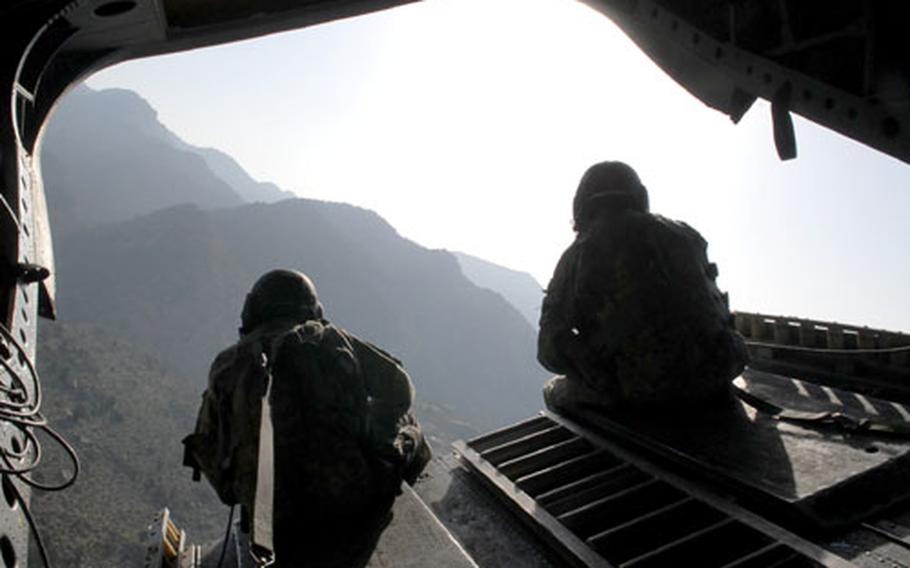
(517, 287)
(102, 153)
(199, 264)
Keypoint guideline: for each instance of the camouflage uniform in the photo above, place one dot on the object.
(634, 318)
(342, 444)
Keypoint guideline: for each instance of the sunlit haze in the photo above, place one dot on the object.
(467, 124)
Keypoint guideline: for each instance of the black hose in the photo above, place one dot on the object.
(39, 543)
(20, 409)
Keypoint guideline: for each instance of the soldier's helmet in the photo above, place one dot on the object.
(608, 186)
(280, 294)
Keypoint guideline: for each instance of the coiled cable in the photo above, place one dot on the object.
(20, 408)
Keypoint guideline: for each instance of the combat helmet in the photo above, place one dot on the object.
(605, 186)
(280, 294)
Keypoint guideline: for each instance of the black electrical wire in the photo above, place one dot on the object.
(9, 407)
(20, 406)
(74, 458)
(227, 536)
(39, 543)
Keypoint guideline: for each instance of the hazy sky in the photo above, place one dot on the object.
(467, 124)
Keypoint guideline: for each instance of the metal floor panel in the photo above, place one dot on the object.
(597, 505)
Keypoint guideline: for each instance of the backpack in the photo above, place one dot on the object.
(318, 405)
(319, 413)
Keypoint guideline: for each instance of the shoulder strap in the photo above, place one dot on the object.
(262, 546)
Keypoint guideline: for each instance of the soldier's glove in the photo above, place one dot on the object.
(415, 452)
(405, 444)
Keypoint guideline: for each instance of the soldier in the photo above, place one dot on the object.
(331, 410)
(632, 316)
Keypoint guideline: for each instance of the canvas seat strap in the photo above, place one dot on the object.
(262, 548)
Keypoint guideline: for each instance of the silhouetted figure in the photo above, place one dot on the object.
(632, 316)
(321, 472)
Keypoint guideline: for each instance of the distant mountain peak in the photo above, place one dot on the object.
(108, 158)
(226, 168)
(518, 288)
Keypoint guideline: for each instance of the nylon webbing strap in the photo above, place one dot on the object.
(262, 549)
(840, 421)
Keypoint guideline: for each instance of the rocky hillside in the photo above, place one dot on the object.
(125, 415)
(173, 283)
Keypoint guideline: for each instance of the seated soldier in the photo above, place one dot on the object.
(632, 317)
(331, 411)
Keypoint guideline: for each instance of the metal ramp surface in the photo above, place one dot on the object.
(597, 505)
(414, 538)
(817, 474)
